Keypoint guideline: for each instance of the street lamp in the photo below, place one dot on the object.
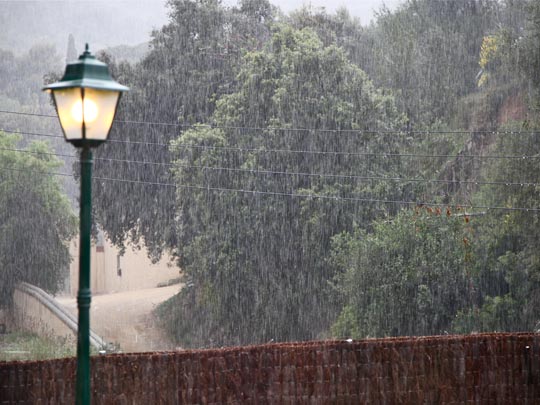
(85, 99)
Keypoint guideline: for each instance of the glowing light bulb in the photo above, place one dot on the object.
(90, 111)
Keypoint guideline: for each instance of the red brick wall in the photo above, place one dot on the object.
(484, 368)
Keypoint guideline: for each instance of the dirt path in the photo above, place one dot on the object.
(126, 318)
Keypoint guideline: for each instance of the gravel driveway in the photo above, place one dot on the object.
(126, 319)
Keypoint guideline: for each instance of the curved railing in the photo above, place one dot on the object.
(59, 311)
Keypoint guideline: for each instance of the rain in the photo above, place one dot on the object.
(277, 172)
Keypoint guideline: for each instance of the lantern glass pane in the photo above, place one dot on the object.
(99, 109)
(65, 100)
(96, 109)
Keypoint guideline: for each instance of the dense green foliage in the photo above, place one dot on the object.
(433, 48)
(192, 62)
(408, 277)
(508, 262)
(32, 65)
(36, 219)
(496, 287)
(426, 52)
(254, 257)
(529, 52)
(297, 193)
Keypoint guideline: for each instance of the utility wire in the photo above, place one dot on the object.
(38, 134)
(33, 152)
(284, 173)
(27, 114)
(15, 131)
(354, 131)
(293, 151)
(357, 154)
(283, 194)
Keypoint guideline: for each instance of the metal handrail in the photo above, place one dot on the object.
(59, 311)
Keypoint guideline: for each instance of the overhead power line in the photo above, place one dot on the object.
(357, 154)
(297, 151)
(286, 173)
(313, 130)
(284, 194)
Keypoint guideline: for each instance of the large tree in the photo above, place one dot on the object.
(36, 220)
(191, 62)
(427, 52)
(251, 236)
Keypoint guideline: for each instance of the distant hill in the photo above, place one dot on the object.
(103, 24)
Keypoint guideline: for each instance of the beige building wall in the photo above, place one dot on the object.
(112, 272)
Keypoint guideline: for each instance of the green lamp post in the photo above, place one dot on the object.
(85, 99)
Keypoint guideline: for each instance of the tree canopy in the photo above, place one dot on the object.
(317, 177)
(36, 219)
(191, 62)
(250, 251)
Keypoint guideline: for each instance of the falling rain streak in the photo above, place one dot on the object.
(287, 176)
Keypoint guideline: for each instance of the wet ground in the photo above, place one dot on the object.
(125, 318)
